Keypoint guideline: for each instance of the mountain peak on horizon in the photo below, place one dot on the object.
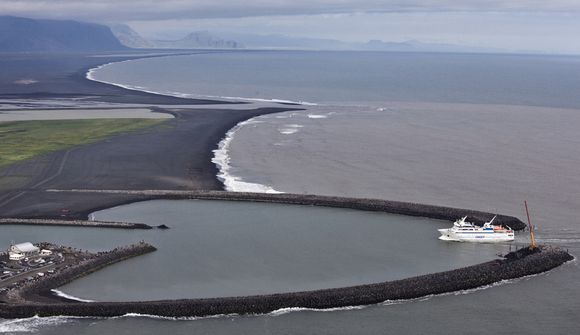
(199, 39)
(19, 34)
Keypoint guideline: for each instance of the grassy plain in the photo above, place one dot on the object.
(22, 140)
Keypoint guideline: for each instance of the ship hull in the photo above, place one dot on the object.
(475, 236)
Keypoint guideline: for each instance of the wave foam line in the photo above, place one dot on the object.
(33, 324)
(90, 75)
(68, 296)
(222, 160)
(283, 311)
(317, 116)
(173, 318)
(283, 101)
(288, 310)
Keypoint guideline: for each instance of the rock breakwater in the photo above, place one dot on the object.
(36, 290)
(393, 207)
(515, 265)
(73, 223)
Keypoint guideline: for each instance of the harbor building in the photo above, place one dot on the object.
(19, 251)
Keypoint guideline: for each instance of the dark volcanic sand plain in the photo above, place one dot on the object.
(173, 155)
(64, 76)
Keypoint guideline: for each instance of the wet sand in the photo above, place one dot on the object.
(81, 113)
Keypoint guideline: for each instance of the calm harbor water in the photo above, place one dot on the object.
(477, 131)
(219, 248)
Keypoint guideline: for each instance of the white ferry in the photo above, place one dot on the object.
(464, 231)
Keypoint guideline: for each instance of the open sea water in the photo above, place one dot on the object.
(476, 131)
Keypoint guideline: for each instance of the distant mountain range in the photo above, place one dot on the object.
(229, 40)
(130, 38)
(418, 46)
(19, 34)
(26, 35)
(199, 39)
(277, 41)
(195, 40)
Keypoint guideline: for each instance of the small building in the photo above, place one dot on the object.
(45, 252)
(20, 251)
(16, 257)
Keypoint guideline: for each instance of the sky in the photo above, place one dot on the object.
(518, 25)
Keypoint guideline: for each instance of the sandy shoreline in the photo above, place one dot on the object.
(176, 156)
(152, 159)
(63, 76)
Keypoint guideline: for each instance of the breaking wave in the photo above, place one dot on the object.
(91, 76)
(33, 324)
(68, 296)
(222, 160)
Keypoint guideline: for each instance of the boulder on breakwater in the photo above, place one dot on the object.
(515, 265)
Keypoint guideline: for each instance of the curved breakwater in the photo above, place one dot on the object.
(516, 264)
(379, 205)
(31, 291)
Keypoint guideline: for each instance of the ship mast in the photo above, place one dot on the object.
(533, 244)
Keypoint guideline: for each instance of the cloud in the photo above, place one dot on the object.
(142, 10)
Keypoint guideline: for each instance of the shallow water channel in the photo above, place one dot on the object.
(219, 248)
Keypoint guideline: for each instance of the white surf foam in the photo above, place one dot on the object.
(70, 297)
(171, 318)
(283, 311)
(289, 129)
(33, 324)
(222, 160)
(91, 76)
(317, 116)
(273, 100)
(27, 81)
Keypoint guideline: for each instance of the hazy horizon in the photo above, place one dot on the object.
(528, 25)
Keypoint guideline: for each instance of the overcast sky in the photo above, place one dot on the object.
(545, 25)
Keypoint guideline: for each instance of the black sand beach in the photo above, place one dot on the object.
(49, 76)
(175, 155)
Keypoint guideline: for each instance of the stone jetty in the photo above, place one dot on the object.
(393, 207)
(73, 223)
(36, 290)
(517, 264)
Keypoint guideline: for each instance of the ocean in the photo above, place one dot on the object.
(477, 131)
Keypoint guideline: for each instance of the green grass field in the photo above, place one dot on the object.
(21, 140)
